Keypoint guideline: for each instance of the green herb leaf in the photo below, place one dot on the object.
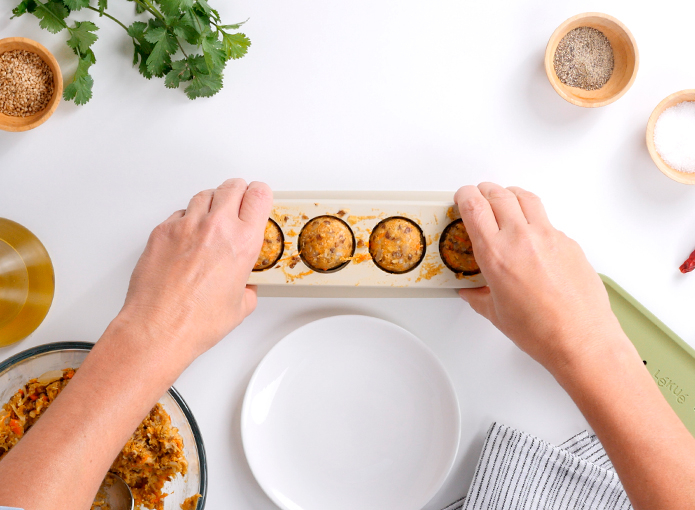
(141, 48)
(24, 7)
(76, 5)
(137, 30)
(81, 36)
(214, 53)
(179, 72)
(204, 85)
(236, 45)
(202, 4)
(52, 16)
(155, 42)
(80, 90)
(159, 61)
(184, 28)
(235, 26)
(169, 6)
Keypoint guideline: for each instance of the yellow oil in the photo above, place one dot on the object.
(26, 282)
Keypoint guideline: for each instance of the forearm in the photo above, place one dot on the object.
(82, 432)
(649, 446)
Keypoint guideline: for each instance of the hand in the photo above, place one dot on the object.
(543, 293)
(189, 286)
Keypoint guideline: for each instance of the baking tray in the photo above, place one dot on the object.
(670, 360)
(362, 210)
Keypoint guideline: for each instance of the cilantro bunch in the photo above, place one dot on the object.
(159, 45)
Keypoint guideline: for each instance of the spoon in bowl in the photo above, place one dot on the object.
(114, 493)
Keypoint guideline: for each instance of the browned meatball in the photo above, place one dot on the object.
(326, 243)
(273, 246)
(456, 249)
(397, 245)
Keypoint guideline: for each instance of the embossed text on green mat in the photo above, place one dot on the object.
(670, 361)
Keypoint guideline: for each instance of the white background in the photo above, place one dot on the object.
(366, 94)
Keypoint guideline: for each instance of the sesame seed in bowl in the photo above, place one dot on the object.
(30, 84)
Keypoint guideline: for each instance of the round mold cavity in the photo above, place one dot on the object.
(275, 231)
(382, 224)
(448, 232)
(335, 221)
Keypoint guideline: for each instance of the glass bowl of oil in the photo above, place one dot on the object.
(27, 282)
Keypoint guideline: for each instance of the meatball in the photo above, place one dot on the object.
(457, 251)
(326, 244)
(273, 246)
(397, 245)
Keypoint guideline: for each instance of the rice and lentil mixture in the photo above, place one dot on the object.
(150, 458)
(26, 83)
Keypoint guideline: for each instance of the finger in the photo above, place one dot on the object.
(504, 204)
(176, 215)
(228, 196)
(531, 206)
(480, 300)
(476, 214)
(249, 300)
(200, 204)
(256, 204)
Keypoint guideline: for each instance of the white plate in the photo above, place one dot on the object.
(350, 413)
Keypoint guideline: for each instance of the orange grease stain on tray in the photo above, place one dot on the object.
(361, 257)
(429, 270)
(353, 220)
(290, 263)
(452, 214)
(292, 277)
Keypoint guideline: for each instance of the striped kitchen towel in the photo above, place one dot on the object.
(519, 471)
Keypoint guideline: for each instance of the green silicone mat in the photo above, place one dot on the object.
(670, 360)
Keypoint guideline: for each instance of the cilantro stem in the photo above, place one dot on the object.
(108, 16)
(149, 8)
(181, 47)
(154, 11)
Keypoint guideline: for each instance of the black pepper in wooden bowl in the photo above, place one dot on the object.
(584, 59)
(26, 83)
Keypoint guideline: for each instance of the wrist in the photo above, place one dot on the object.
(605, 347)
(147, 345)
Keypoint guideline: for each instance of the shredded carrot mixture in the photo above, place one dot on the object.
(191, 503)
(150, 458)
(457, 250)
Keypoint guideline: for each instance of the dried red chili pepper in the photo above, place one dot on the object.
(689, 264)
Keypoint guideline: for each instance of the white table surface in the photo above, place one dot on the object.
(368, 94)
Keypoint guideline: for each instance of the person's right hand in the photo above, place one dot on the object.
(543, 293)
(189, 285)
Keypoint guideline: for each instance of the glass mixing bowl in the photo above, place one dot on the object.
(29, 364)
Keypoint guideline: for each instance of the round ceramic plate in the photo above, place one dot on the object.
(350, 412)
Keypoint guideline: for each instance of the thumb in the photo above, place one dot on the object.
(250, 300)
(480, 300)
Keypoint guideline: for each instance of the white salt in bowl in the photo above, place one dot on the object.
(672, 100)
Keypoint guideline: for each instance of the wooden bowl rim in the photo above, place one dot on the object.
(667, 102)
(32, 121)
(550, 70)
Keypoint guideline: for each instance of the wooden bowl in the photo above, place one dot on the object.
(625, 55)
(672, 100)
(10, 123)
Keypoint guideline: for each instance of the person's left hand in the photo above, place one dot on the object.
(190, 282)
